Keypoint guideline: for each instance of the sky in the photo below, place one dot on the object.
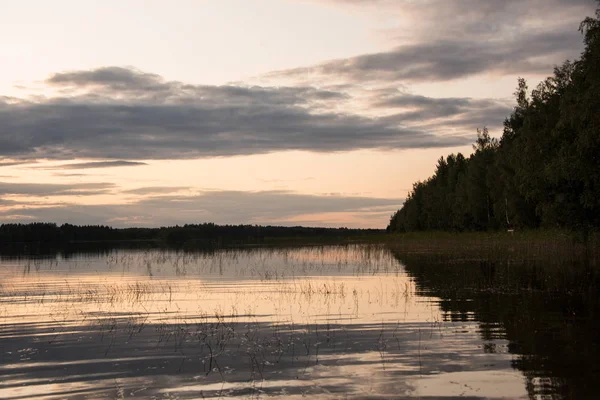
(280, 112)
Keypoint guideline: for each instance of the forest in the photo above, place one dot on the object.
(544, 170)
(199, 234)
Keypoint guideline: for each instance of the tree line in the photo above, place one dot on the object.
(206, 233)
(544, 171)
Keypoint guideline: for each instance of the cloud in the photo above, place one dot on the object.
(116, 78)
(442, 40)
(97, 164)
(464, 18)
(114, 113)
(127, 120)
(448, 59)
(15, 162)
(47, 189)
(132, 84)
(7, 202)
(443, 112)
(225, 207)
(157, 190)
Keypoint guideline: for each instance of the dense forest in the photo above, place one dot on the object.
(544, 171)
(206, 234)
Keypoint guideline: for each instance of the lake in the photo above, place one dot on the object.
(339, 321)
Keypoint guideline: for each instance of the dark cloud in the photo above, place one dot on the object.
(15, 162)
(448, 59)
(463, 18)
(414, 100)
(440, 40)
(124, 113)
(7, 202)
(461, 111)
(184, 121)
(117, 78)
(98, 164)
(48, 189)
(135, 85)
(233, 207)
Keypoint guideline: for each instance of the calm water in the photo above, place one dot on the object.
(327, 322)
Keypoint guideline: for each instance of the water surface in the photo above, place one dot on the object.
(351, 321)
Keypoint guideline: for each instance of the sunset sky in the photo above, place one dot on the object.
(284, 112)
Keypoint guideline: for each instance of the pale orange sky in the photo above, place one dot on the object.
(274, 112)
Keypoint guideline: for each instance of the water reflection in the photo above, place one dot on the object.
(334, 321)
(547, 312)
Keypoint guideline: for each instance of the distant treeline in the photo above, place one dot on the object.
(207, 233)
(543, 172)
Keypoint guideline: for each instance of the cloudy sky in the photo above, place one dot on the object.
(287, 112)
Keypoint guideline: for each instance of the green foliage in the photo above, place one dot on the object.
(544, 170)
